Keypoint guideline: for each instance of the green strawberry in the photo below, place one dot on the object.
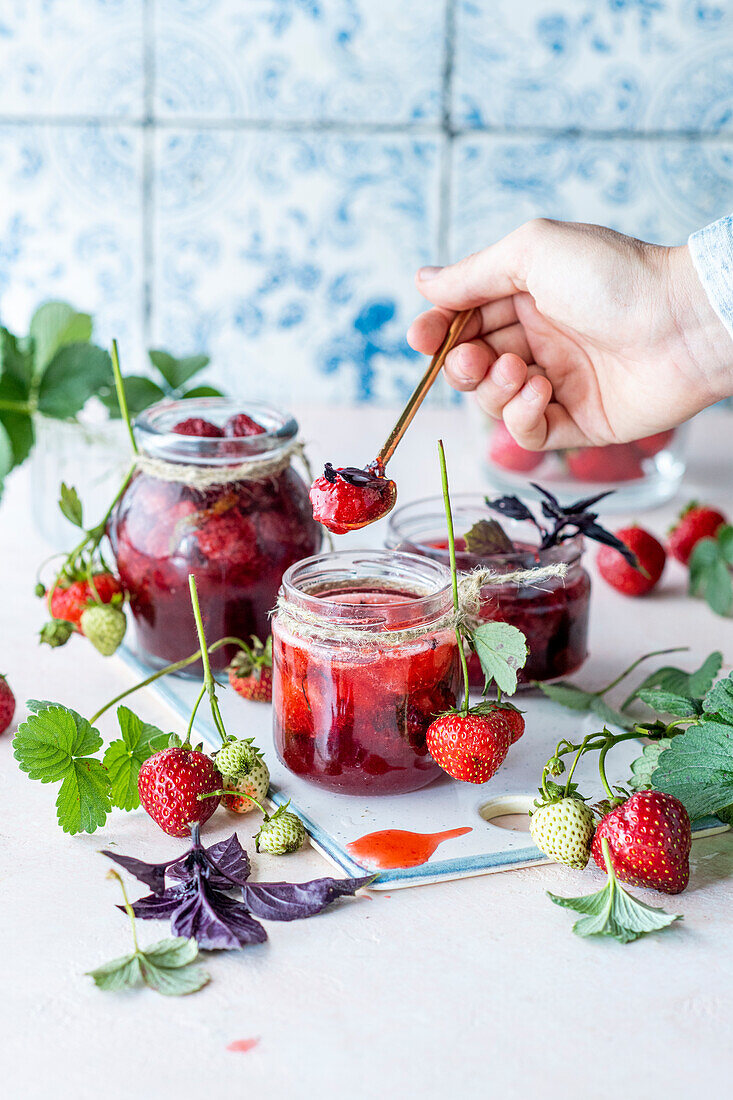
(564, 831)
(238, 758)
(282, 833)
(104, 626)
(254, 784)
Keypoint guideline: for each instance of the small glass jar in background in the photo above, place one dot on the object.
(642, 474)
(231, 511)
(553, 615)
(365, 657)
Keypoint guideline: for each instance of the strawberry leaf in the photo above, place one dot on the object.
(567, 695)
(667, 702)
(53, 326)
(614, 912)
(502, 651)
(70, 504)
(177, 371)
(165, 966)
(56, 744)
(679, 682)
(644, 766)
(710, 570)
(125, 756)
(719, 700)
(75, 373)
(697, 768)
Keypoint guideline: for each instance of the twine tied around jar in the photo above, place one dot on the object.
(320, 628)
(206, 477)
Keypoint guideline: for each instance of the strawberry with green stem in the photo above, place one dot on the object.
(84, 582)
(471, 743)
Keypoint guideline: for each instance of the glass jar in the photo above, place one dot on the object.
(229, 510)
(642, 474)
(365, 657)
(553, 615)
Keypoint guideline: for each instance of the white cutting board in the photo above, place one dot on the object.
(335, 820)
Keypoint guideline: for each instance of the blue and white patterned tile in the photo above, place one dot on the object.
(652, 65)
(348, 60)
(70, 226)
(656, 190)
(291, 258)
(59, 57)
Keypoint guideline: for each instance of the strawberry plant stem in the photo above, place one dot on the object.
(208, 678)
(193, 712)
(453, 571)
(176, 667)
(121, 397)
(128, 908)
(637, 662)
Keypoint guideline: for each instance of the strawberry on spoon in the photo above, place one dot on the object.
(347, 498)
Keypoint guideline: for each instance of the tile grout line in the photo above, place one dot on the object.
(147, 220)
(311, 126)
(446, 152)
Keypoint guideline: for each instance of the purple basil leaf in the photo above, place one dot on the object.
(512, 507)
(216, 922)
(152, 874)
(229, 858)
(587, 502)
(160, 906)
(594, 531)
(295, 900)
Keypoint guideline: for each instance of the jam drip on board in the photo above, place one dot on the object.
(392, 848)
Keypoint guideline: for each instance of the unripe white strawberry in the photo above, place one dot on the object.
(564, 830)
(104, 626)
(282, 833)
(256, 783)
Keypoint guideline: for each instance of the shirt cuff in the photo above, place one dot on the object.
(711, 249)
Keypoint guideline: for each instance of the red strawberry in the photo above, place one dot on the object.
(695, 522)
(7, 704)
(650, 555)
(616, 462)
(504, 451)
(650, 838)
(230, 538)
(169, 784)
(250, 672)
(196, 425)
(470, 747)
(68, 601)
(242, 425)
(515, 718)
(651, 445)
(347, 498)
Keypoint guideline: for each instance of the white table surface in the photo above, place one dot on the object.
(477, 987)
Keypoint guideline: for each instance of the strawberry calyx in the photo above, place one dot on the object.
(251, 660)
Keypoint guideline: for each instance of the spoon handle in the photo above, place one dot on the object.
(418, 395)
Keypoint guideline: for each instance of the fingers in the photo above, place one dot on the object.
(495, 272)
(467, 364)
(502, 382)
(427, 332)
(524, 415)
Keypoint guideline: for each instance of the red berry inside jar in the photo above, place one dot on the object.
(226, 507)
(364, 658)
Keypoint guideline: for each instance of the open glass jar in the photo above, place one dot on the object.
(365, 656)
(231, 511)
(553, 615)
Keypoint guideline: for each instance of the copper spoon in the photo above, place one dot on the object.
(420, 392)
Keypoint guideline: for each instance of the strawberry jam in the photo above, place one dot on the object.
(348, 498)
(553, 615)
(354, 694)
(229, 510)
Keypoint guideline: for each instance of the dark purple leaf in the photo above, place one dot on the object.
(152, 874)
(594, 531)
(512, 507)
(229, 858)
(216, 921)
(588, 502)
(160, 906)
(296, 900)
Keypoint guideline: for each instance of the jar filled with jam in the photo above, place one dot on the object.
(364, 656)
(552, 614)
(213, 494)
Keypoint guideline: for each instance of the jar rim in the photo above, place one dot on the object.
(390, 569)
(427, 514)
(152, 429)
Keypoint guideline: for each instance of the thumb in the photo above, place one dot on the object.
(494, 272)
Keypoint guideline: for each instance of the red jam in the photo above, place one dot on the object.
(353, 719)
(553, 615)
(348, 498)
(237, 538)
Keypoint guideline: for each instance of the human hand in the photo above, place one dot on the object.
(581, 336)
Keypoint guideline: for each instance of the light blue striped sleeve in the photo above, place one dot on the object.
(711, 249)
